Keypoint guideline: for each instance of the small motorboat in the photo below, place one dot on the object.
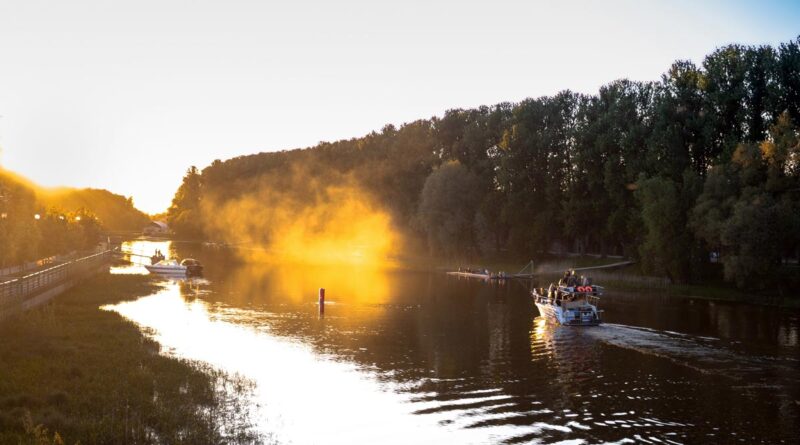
(193, 267)
(189, 266)
(569, 304)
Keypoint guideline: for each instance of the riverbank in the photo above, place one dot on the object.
(627, 278)
(87, 375)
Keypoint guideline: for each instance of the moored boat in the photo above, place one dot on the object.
(568, 303)
(189, 266)
(193, 267)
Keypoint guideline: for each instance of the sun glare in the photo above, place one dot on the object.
(328, 225)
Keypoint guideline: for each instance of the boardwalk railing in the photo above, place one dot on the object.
(15, 292)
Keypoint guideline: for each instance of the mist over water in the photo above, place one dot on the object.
(408, 357)
(304, 217)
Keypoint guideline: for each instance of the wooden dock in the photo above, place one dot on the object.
(491, 276)
(522, 274)
(482, 276)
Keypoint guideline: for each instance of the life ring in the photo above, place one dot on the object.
(581, 289)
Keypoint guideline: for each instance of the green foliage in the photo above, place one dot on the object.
(752, 237)
(748, 210)
(74, 373)
(29, 231)
(667, 247)
(448, 208)
(183, 215)
(116, 212)
(562, 172)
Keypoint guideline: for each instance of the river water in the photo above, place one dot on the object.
(413, 357)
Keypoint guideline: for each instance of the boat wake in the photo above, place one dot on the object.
(707, 355)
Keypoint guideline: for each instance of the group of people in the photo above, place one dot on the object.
(158, 256)
(571, 279)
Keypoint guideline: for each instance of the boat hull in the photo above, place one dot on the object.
(558, 315)
(171, 270)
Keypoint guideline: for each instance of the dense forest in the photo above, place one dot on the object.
(37, 223)
(116, 212)
(700, 167)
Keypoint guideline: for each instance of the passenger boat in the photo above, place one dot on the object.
(189, 266)
(573, 305)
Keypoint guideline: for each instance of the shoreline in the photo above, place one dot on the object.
(625, 280)
(76, 373)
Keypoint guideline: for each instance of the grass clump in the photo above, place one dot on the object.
(72, 373)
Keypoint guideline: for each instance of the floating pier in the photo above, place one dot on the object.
(523, 273)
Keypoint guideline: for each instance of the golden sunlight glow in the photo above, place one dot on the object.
(301, 396)
(539, 328)
(313, 224)
(350, 284)
(342, 230)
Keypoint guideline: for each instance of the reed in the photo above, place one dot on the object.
(72, 373)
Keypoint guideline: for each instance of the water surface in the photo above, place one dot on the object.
(411, 357)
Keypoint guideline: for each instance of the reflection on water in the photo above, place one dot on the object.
(301, 394)
(426, 358)
(138, 252)
(360, 285)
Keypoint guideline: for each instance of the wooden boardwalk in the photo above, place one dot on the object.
(22, 293)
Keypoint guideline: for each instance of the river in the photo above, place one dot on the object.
(422, 357)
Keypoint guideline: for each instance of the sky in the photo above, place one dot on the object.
(127, 95)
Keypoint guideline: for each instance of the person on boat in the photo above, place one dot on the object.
(572, 280)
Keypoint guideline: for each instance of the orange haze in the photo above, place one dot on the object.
(305, 221)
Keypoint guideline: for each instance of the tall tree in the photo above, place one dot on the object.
(184, 215)
(447, 209)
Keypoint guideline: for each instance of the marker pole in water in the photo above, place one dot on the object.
(321, 300)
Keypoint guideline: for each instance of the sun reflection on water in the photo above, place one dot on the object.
(302, 396)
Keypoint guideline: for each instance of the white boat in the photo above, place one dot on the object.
(569, 305)
(188, 266)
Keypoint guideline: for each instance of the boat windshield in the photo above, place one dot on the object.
(168, 263)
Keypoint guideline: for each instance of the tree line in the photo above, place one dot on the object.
(37, 223)
(699, 167)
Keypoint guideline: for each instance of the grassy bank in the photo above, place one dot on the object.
(631, 279)
(721, 292)
(626, 278)
(92, 377)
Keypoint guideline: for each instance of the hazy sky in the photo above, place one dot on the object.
(127, 95)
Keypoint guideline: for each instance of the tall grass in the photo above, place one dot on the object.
(70, 372)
